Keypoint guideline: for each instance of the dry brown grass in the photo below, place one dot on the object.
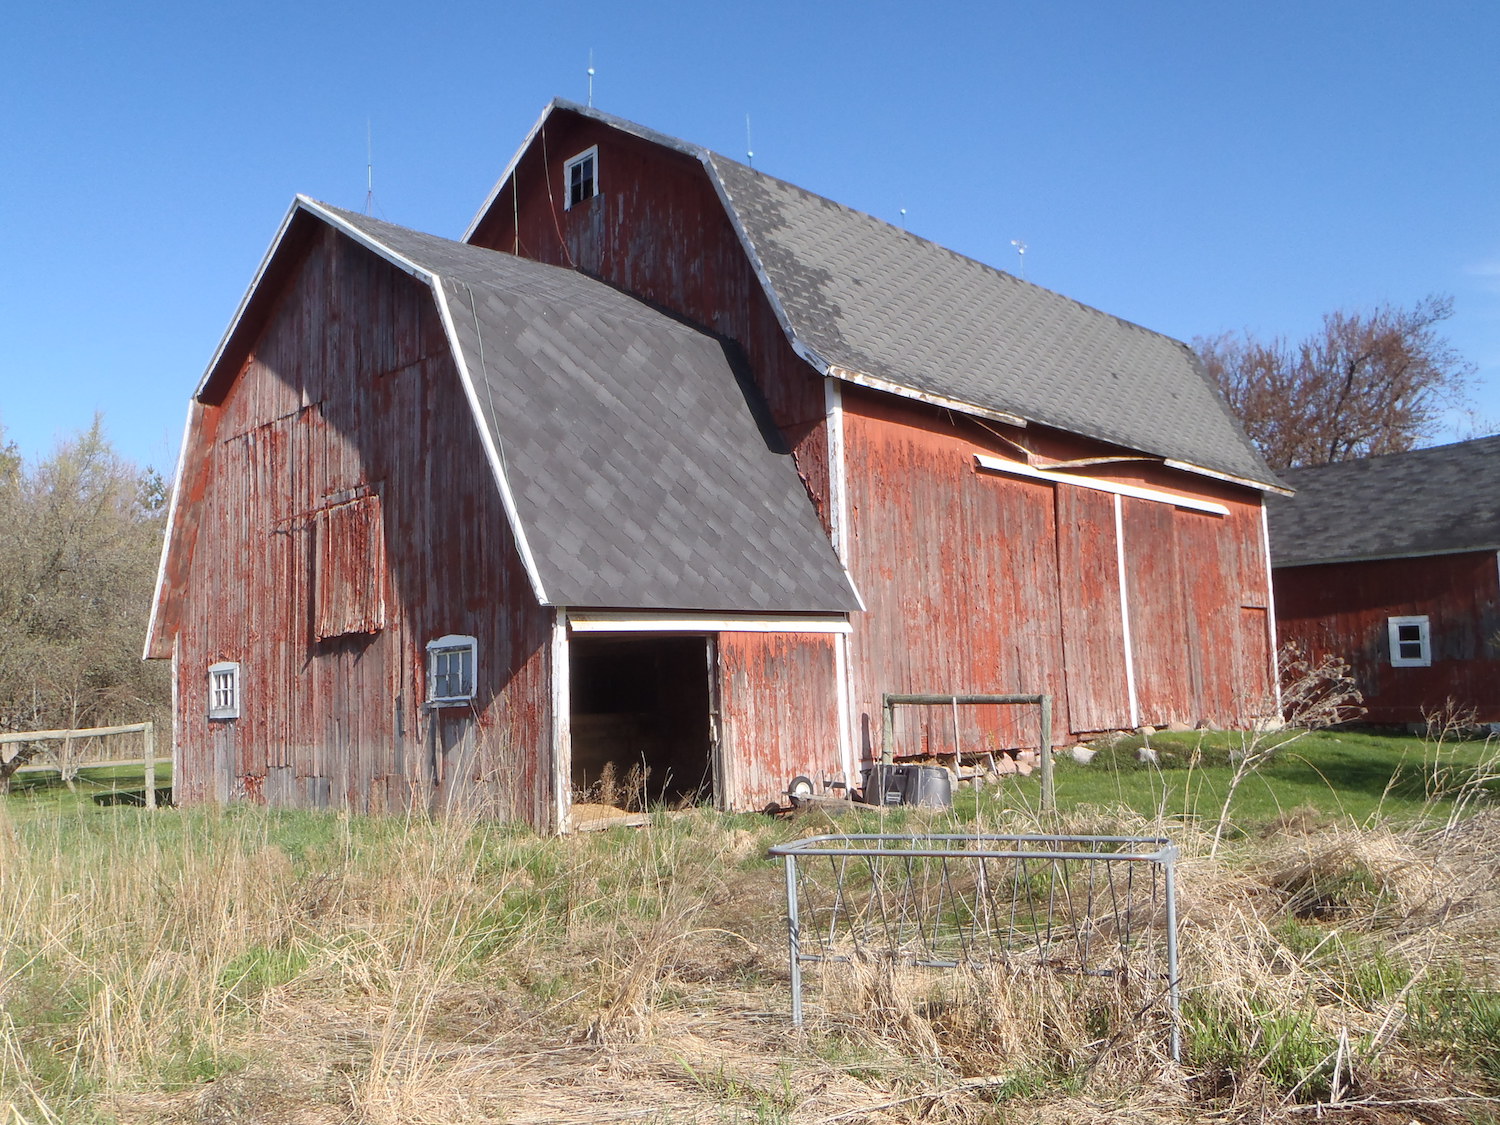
(254, 967)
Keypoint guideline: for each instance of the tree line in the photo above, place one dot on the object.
(80, 536)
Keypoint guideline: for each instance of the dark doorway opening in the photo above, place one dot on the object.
(641, 727)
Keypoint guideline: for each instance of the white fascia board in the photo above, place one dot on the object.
(166, 542)
(300, 203)
(239, 313)
(1016, 468)
(487, 437)
(510, 170)
(369, 242)
(875, 383)
(1243, 482)
(1272, 638)
(606, 621)
(706, 158)
(1478, 548)
(562, 722)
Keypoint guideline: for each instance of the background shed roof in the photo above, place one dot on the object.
(1428, 501)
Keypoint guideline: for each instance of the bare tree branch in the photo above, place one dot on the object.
(1363, 384)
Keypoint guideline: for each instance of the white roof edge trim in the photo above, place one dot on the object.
(606, 621)
(1245, 482)
(510, 170)
(312, 207)
(239, 313)
(166, 539)
(1482, 548)
(487, 438)
(875, 383)
(368, 241)
(706, 158)
(1134, 491)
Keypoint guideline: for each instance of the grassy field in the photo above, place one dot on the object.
(1353, 775)
(250, 966)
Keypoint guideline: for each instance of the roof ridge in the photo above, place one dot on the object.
(1394, 454)
(948, 250)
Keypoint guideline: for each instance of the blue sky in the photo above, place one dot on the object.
(1192, 167)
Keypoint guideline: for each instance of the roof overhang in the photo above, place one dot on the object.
(1390, 556)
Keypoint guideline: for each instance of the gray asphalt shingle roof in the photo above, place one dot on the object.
(878, 301)
(640, 475)
(1425, 502)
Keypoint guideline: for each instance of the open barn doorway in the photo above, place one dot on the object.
(641, 721)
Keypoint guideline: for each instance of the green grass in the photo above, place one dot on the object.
(1347, 774)
(45, 791)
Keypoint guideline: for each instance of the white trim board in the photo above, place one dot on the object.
(1135, 491)
(609, 622)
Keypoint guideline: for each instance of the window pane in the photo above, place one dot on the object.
(1411, 650)
(1409, 633)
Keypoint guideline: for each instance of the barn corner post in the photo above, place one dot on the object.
(562, 738)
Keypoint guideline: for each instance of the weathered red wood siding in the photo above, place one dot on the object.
(979, 582)
(351, 395)
(778, 702)
(1342, 609)
(658, 230)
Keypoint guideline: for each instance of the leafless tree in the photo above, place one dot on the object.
(81, 536)
(1363, 384)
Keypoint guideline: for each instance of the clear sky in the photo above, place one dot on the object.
(1191, 166)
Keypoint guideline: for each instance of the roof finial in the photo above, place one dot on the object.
(1020, 253)
(749, 149)
(591, 78)
(369, 169)
(903, 218)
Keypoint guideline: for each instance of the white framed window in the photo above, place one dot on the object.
(1411, 644)
(581, 178)
(224, 690)
(450, 670)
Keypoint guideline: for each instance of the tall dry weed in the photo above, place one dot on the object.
(256, 966)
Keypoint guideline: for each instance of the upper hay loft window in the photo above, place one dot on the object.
(581, 178)
(349, 578)
(450, 670)
(1411, 643)
(224, 691)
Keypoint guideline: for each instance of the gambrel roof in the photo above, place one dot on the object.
(629, 448)
(1438, 501)
(876, 305)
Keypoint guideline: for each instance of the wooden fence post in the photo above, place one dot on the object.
(150, 763)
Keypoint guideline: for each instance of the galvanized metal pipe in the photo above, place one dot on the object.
(1174, 988)
(794, 936)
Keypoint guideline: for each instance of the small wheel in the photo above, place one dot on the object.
(799, 788)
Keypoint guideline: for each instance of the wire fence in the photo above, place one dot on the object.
(1085, 906)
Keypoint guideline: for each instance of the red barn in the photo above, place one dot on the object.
(695, 485)
(1393, 564)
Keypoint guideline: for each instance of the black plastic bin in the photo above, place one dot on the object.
(924, 786)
